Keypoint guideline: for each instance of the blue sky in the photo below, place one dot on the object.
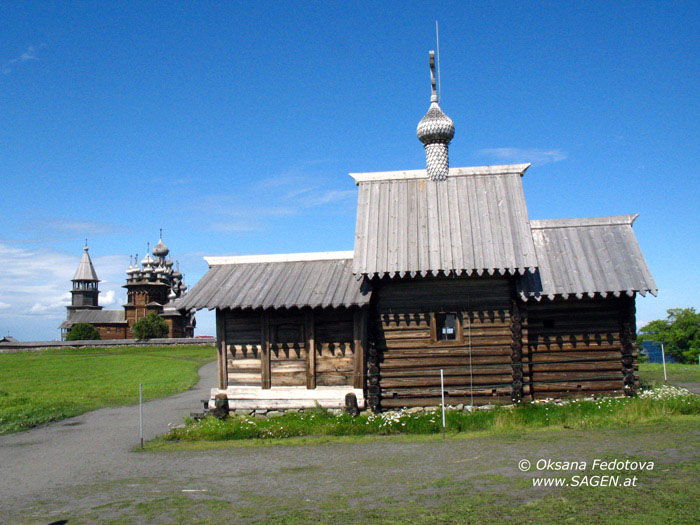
(233, 127)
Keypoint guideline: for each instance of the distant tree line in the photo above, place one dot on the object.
(679, 332)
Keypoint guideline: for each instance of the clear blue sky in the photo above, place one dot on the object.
(233, 128)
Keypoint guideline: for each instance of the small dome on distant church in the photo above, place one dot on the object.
(160, 249)
(147, 261)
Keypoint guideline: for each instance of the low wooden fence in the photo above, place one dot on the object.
(35, 346)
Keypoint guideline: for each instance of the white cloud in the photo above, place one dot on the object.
(28, 55)
(532, 155)
(4, 306)
(108, 298)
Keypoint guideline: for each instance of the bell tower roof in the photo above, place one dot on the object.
(85, 271)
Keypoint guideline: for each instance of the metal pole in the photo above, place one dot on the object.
(663, 358)
(442, 393)
(141, 412)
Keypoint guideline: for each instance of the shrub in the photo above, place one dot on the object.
(83, 332)
(150, 326)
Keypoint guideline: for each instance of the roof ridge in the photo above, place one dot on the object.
(610, 220)
(504, 169)
(279, 257)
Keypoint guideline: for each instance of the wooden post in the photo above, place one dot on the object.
(265, 351)
(516, 347)
(359, 336)
(310, 343)
(628, 335)
(221, 354)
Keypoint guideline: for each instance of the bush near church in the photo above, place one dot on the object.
(83, 332)
(151, 326)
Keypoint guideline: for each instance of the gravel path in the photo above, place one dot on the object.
(83, 469)
(86, 447)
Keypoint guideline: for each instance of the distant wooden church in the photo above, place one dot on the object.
(153, 287)
(448, 274)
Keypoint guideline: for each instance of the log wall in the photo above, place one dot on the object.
(581, 347)
(405, 360)
(286, 336)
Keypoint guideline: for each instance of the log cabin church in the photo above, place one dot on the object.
(152, 287)
(448, 273)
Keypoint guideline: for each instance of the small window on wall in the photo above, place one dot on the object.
(446, 327)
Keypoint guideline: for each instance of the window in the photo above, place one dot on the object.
(446, 327)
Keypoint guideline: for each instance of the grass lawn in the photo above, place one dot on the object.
(663, 402)
(38, 387)
(678, 374)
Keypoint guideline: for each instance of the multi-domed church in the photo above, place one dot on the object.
(151, 287)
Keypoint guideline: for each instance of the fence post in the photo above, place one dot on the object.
(442, 393)
(141, 412)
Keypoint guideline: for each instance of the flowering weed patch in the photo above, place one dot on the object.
(605, 412)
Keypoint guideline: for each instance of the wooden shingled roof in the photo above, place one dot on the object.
(279, 281)
(475, 221)
(587, 257)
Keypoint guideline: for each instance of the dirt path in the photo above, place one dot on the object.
(92, 446)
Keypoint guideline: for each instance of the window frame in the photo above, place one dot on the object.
(457, 341)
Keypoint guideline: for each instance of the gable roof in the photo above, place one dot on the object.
(95, 317)
(277, 281)
(590, 256)
(474, 221)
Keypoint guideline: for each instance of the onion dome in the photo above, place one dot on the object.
(132, 269)
(435, 131)
(169, 262)
(160, 249)
(435, 126)
(172, 295)
(147, 261)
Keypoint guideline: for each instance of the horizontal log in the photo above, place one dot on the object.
(243, 364)
(449, 400)
(461, 370)
(482, 390)
(569, 366)
(576, 375)
(434, 351)
(392, 383)
(243, 379)
(334, 379)
(566, 386)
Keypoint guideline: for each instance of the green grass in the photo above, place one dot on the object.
(38, 387)
(653, 373)
(603, 413)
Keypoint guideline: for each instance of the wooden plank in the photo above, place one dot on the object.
(310, 342)
(221, 361)
(265, 374)
(359, 324)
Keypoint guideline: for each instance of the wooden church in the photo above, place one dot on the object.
(152, 287)
(448, 274)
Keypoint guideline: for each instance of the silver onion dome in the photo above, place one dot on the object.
(435, 126)
(160, 249)
(435, 131)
